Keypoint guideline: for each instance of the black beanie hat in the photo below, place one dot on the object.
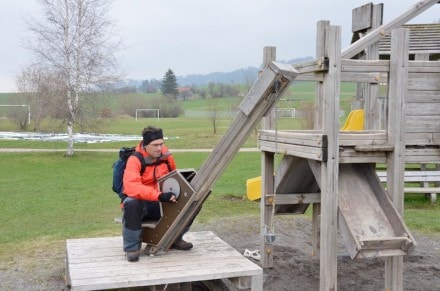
(149, 136)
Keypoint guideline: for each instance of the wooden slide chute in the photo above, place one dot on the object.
(368, 222)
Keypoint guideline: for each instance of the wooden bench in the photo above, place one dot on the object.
(424, 178)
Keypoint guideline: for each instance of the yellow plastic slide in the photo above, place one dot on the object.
(355, 121)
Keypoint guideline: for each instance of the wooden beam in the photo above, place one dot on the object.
(266, 219)
(396, 137)
(317, 65)
(296, 198)
(330, 169)
(267, 179)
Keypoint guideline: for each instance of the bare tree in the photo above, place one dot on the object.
(213, 114)
(76, 40)
(249, 79)
(37, 86)
(19, 114)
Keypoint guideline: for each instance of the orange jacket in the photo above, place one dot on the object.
(146, 187)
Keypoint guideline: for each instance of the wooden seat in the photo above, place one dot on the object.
(145, 224)
(421, 177)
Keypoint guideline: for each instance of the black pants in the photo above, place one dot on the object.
(135, 212)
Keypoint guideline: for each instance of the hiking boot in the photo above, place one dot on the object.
(181, 245)
(132, 256)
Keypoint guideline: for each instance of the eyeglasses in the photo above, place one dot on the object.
(156, 145)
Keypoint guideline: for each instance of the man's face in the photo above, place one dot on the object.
(154, 148)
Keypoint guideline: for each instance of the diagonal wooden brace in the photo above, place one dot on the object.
(260, 99)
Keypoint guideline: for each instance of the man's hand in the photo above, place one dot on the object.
(167, 197)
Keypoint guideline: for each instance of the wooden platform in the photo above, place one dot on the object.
(99, 263)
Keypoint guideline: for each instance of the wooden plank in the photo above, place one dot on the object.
(317, 124)
(361, 17)
(396, 129)
(267, 185)
(423, 67)
(307, 152)
(384, 243)
(362, 159)
(320, 54)
(373, 78)
(424, 177)
(99, 263)
(426, 190)
(426, 96)
(266, 217)
(365, 66)
(371, 102)
(419, 109)
(420, 139)
(269, 55)
(317, 65)
(317, 77)
(297, 198)
(414, 176)
(425, 155)
(424, 81)
(422, 124)
(330, 168)
(294, 175)
(309, 138)
(365, 138)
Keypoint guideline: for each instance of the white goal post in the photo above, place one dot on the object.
(286, 112)
(23, 105)
(154, 110)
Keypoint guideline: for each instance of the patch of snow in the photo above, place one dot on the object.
(77, 137)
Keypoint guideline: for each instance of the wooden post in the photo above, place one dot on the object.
(267, 179)
(269, 55)
(372, 89)
(397, 87)
(437, 184)
(316, 207)
(320, 46)
(267, 185)
(330, 169)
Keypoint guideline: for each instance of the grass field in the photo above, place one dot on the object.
(51, 197)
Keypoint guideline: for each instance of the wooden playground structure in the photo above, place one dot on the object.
(335, 171)
(332, 170)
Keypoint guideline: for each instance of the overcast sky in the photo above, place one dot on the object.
(201, 36)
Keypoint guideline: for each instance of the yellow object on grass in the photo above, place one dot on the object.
(355, 121)
(253, 188)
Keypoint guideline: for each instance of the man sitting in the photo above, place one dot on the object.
(143, 194)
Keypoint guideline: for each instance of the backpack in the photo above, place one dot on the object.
(119, 167)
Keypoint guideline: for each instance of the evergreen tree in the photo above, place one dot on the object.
(169, 84)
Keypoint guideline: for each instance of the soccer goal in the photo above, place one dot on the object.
(286, 112)
(155, 113)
